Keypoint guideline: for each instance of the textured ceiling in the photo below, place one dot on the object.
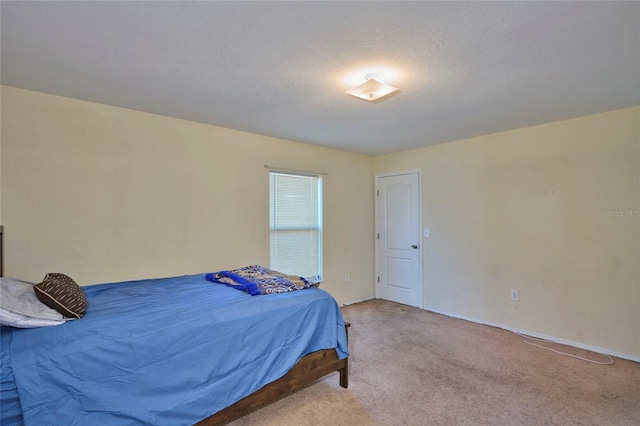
(281, 68)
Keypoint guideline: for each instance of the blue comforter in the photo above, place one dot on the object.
(165, 351)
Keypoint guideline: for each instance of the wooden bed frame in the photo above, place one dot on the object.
(1, 251)
(309, 369)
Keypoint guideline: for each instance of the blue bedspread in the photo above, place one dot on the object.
(165, 352)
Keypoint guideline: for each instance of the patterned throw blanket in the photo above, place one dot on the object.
(256, 280)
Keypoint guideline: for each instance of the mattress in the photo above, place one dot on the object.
(165, 351)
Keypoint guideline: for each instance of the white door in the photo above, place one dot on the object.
(398, 238)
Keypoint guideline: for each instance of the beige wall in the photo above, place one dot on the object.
(535, 210)
(108, 194)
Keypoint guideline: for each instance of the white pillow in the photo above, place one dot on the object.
(19, 306)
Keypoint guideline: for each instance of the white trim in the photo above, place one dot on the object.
(353, 302)
(294, 172)
(541, 336)
(398, 173)
(420, 239)
(376, 280)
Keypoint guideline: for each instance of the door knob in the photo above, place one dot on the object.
(415, 246)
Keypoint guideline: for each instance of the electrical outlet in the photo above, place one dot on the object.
(346, 277)
(515, 295)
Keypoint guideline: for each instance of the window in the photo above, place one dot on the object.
(295, 224)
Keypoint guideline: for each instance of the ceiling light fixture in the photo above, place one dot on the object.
(372, 89)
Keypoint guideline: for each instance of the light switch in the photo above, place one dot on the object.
(426, 232)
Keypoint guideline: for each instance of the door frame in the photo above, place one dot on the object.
(420, 238)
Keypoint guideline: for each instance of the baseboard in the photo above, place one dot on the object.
(541, 336)
(358, 301)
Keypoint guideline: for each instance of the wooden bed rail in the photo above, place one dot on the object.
(309, 369)
(1, 251)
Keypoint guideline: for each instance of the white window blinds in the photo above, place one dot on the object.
(295, 224)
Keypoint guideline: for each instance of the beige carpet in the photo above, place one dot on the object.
(413, 367)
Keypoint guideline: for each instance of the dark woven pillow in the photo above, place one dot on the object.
(61, 293)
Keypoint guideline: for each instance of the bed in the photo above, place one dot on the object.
(170, 351)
